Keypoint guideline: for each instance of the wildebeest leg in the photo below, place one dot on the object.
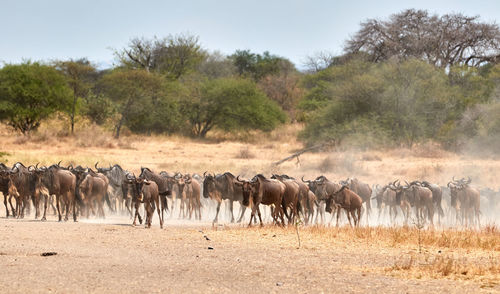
(216, 219)
(347, 212)
(158, 210)
(242, 209)
(12, 206)
(260, 217)
(58, 208)
(45, 204)
(6, 207)
(231, 210)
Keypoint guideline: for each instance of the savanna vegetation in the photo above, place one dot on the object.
(408, 79)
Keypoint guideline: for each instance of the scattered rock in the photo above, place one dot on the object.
(274, 236)
(210, 248)
(48, 253)
(206, 238)
(279, 284)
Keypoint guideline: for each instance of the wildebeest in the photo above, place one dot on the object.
(24, 181)
(267, 192)
(322, 188)
(363, 190)
(92, 187)
(164, 188)
(418, 197)
(223, 187)
(386, 198)
(62, 183)
(192, 190)
(119, 188)
(146, 192)
(290, 197)
(465, 200)
(348, 200)
(4, 188)
(437, 196)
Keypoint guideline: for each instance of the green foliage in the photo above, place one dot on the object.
(31, 92)
(140, 99)
(400, 103)
(81, 75)
(257, 66)
(172, 56)
(231, 105)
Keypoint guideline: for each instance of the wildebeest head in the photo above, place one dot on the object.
(137, 185)
(208, 185)
(246, 188)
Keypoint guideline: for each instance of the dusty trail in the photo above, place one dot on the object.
(118, 258)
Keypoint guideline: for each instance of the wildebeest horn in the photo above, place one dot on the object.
(204, 174)
(305, 181)
(15, 168)
(36, 166)
(238, 179)
(70, 166)
(95, 165)
(59, 163)
(31, 168)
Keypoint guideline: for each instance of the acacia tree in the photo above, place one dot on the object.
(31, 92)
(130, 91)
(172, 56)
(444, 41)
(230, 105)
(80, 75)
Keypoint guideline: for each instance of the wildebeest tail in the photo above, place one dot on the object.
(106, 197)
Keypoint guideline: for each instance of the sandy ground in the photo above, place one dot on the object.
(115, 257)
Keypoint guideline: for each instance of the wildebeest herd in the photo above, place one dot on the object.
(84, 192)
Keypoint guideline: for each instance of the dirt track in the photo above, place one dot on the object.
(118, 258)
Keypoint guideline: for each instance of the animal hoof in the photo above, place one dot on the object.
(43, 219)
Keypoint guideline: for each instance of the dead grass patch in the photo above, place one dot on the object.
(446, 266)
(245, 153)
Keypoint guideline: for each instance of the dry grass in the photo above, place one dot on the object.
(447, 266)
(245, 153)
(222, 153)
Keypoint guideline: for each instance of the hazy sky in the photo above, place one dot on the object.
(61, 29)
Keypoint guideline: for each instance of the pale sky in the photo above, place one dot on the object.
(63, 29)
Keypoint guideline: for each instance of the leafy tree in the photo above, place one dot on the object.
(217, 65)
(31, 92)
(135, 94)
(231, 105)
(443, 41)
(399, 103)
(257, 66)
(172, 56)
(81, 75)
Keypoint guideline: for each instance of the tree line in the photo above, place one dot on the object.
(412, 77)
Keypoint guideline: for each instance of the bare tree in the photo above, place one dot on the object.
(444, 41)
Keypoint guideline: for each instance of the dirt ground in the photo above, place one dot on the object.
(115, 257)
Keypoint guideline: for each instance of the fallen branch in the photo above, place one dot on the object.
(297, 154)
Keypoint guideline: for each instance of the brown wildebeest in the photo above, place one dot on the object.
(223, 187)
(62, 183)
(118, 187)
(164, 188)
(92, 189)
(466, 201)
(144, 191)
(418, 197)
(181, 183)
(290, 197)
(363, 190)
(24, 181)
(267, 192)
(323, 189)
(437, 196)
(386, 198)
(4, 188)
(193, 189)
(348, 200)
